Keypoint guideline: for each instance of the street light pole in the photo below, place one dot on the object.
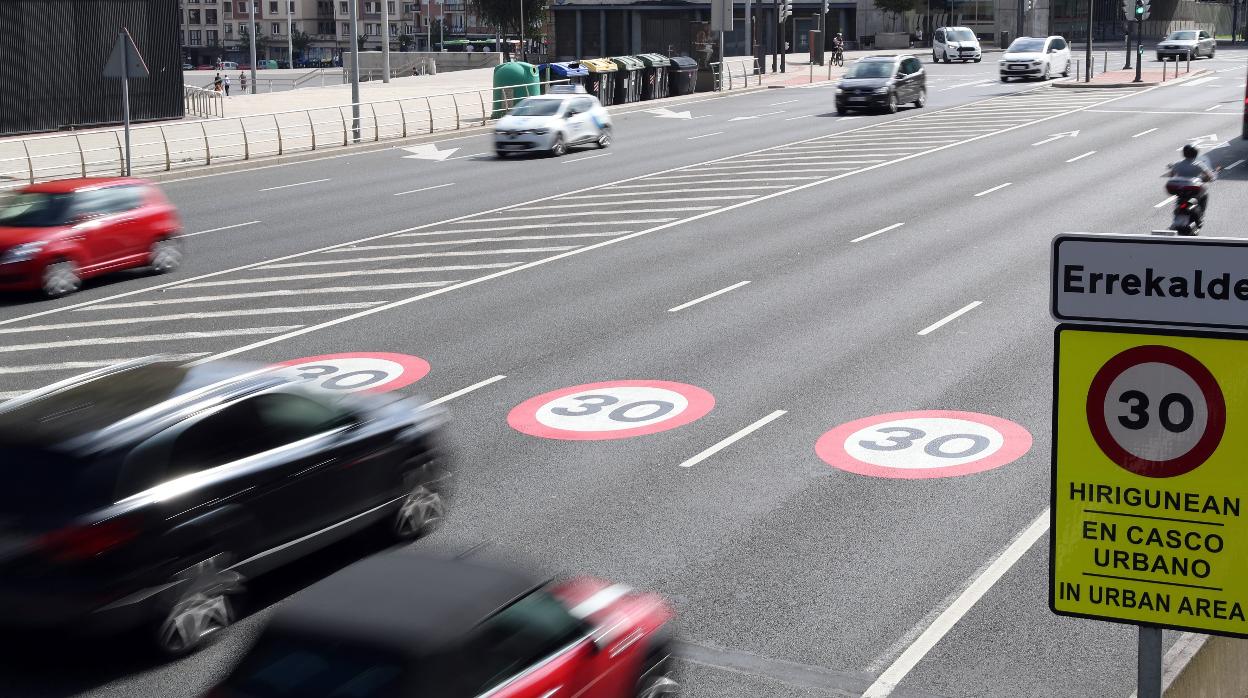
(251, 40)
(290, 33)
(355, 69)
(385, 41)
(524, 53)
(1087, 74)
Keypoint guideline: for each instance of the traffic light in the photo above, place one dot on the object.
(1141, 9)
(826, 3)
(786, 10)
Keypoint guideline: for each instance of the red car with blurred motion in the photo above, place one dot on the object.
(55, 234)
(402, 625)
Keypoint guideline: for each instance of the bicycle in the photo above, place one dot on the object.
(838, 58)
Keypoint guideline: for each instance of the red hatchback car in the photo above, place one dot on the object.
(55, 234)
(403, 625)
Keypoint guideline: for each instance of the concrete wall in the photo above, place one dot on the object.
(1218, 670)
(404, 63)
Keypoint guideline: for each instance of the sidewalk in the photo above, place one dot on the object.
(1149, 77)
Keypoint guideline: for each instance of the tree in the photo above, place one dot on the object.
(300, 41)
(360, 41)
(244, 40)
(893, 8)
(405, 42)
(506, 13)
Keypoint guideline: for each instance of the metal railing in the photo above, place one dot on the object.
(203, 103)
(726, 77)
(187, 144)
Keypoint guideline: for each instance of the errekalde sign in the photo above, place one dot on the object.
(1150, 280)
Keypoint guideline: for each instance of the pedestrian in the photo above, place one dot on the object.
(216, 83)
(242, 80)
(227, 85)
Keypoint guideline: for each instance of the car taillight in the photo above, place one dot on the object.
(82, 542)
(1182, 204)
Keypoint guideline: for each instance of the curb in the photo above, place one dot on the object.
(1091, 85)
(390, 143)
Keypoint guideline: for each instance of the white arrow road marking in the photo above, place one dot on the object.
(1058, 136)
(428, 151)
(664, 113)
(1210, 138)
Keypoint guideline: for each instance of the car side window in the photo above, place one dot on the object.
(518, 637)
(94, 202)
(912, 66)
(124, 198)
(1059, 44)
(940, 36)
(287, 417)
(583, 105)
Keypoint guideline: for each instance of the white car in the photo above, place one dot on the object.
(552, 123)
(1036, 57)
(955, 44)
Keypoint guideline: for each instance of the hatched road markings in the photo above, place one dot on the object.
(312, 276)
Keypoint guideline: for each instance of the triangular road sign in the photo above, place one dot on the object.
(125, 61)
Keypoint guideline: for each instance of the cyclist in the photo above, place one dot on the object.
(838, 49)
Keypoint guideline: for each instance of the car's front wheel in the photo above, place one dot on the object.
(421, 510)
(60, 278)
(558, 148)
(979, 58)
(891, 105)
(658, 676)
(604, 138)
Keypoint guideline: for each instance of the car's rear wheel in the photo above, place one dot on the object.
(604, 138)
(165, 255)
(922, 100)
(558, 147)
(200, 609)
(421, 510)
(60, 278)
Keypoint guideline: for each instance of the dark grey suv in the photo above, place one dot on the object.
(882, 82)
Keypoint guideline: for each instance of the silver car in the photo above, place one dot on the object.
(1187, 43)
(552, 123)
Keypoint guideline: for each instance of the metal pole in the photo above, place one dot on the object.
(1148, 663)
(429, 29)
(749, 27)
(251, 40)
(1126, 38)
(355, 70)
(125, 96)
(385, 41)
(775, 59)
(1088, 74)
(1139, 60)
(524, 48)
(290, 33)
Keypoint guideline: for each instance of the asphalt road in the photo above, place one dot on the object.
(894, 263)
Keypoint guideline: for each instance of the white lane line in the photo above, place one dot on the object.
(881, 230)
(1080, 157)
(707, 297)
(285, 292)
(80, 365)
(705, 135)
(1163, 202)
(190, 316)
(1198, 81)
(733, 439)
(1140, 111)
(217, 230)
(413, 191)
(587, 157)
(1228, 70)
(418, 255)
(296, 184)
(338, 274)
(848, 118)
(893, 675)
(949, 318)
(803, 116)
(1213, 107)
(434, 243)
(989, 191)
(1144, 133)
(493, 229)
(665, 191)
(1233, 165)
(719, 181)
(464, 391)
(626, 214)
(177, 336)
(787, 101)
(678, 200)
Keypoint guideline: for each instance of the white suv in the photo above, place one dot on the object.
(1036, 57)
(955, 44)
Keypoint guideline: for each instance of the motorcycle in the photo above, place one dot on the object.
(1189, 215)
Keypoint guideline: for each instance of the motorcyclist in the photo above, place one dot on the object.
(1193, 166)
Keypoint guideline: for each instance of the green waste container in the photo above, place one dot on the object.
(513, 82)
(601, 80)
(628, 79)
(654, 76)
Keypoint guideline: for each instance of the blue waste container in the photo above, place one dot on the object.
(573, 72)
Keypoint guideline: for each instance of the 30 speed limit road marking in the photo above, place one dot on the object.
(925, 444)
(1156, 411)
(610, 410)
(374, 372)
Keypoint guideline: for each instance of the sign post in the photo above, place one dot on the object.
(1149, 438)
(124, 63)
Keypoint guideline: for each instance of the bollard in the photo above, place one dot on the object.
(1189, 63)
(812, 72)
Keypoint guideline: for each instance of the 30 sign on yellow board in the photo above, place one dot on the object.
(1150, 478)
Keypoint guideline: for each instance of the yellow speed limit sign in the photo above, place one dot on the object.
(1150, 474)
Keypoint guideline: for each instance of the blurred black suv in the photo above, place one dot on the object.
(882, 82)
(143, 494)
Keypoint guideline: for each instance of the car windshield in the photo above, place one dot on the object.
(1026, 46)
(35, 210)
(960, 35)
(291, 667)
(870, 69)
(537, 107)
(1182, 36)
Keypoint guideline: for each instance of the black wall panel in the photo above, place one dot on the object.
(54, 52)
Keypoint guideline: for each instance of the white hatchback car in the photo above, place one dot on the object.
(955, 44)
(552, 123)
(1036, 57)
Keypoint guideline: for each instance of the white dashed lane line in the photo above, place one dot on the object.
(949, 318)
(707, 297)
(996, 188)
(296, 184)
(217, 230)
(878, 232)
